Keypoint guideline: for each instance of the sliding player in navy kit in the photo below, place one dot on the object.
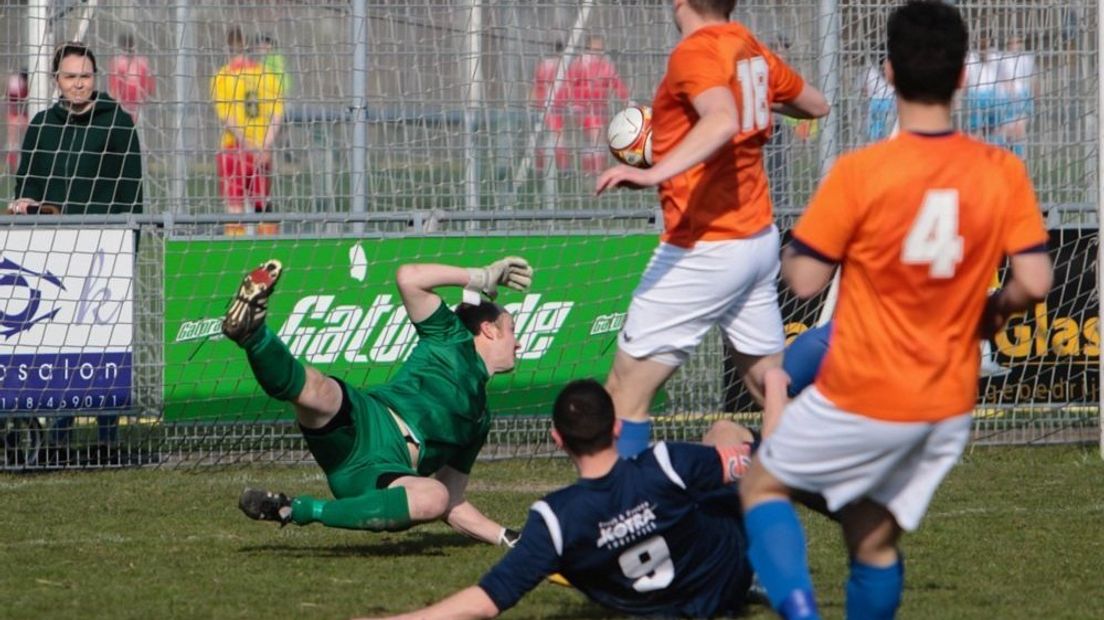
(657, 535)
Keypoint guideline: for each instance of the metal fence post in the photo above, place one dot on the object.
(828, 65)
(358, 175)
(473, 99)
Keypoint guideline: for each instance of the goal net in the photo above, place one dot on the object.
(432, 131)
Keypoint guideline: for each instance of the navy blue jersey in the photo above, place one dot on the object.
(660, 534)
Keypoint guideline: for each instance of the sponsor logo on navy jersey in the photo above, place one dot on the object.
(627, 526)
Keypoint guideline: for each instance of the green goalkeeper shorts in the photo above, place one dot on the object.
(361, 448)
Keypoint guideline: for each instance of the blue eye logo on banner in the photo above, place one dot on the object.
(66, 319)
(13, 277)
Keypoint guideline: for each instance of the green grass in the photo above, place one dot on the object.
(1013, 533)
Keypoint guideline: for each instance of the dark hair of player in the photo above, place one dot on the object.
(716, 8)
(475, 315)
(927, 45)
(583, 416)
(73, 48)
(235, 39)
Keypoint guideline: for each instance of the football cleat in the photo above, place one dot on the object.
(559, 580)
(261, 505)
(756, 594)
(250, 305)
(509, 537)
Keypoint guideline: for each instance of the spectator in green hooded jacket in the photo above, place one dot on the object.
(81, 155)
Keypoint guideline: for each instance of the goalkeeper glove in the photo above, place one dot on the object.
(508, 538)
(512, 272)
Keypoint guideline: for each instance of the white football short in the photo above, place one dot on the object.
(846, 456)
(685, 291)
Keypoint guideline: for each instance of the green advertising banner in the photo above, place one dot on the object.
(337, 308)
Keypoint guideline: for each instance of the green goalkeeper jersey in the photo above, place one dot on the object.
(441, 394)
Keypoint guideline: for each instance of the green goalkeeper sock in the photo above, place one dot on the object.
(276, 369)
(378, 511)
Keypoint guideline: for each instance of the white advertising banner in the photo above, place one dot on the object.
(66, 319)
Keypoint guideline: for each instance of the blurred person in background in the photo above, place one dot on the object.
(983, 95)
(1020, 82)
(129, 78)
(273, 62)
(250, 109)
(16, 117)
(590, 82)
(881, 101)
(540, 98)
(81, 155)
(786, 133)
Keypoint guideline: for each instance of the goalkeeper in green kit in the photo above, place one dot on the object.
(397, 454)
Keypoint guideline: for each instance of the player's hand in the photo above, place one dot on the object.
(624, 176)
(993, 317)
(19, 206)
(262, 157)
(512, 272)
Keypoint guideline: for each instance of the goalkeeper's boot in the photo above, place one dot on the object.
(247, 310)
(261, 505)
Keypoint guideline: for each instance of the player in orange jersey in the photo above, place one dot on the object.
(918, 223)
(717, 261)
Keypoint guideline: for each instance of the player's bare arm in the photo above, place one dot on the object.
(809, 103)
(805, 275)
(775, 384)
(718, 122)
(471, 603)
(417, 281)
(1032, 276)
(464, 517)
(275, 123)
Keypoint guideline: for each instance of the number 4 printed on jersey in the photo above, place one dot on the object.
(933, 239)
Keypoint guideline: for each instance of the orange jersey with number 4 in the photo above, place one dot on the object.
(918, 224)
(726, 196)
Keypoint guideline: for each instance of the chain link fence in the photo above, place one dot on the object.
(410, 120)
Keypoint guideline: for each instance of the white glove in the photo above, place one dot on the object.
(512, 272)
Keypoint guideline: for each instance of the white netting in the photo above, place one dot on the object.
(437, 133)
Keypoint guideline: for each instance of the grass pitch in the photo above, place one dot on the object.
(1013, 533)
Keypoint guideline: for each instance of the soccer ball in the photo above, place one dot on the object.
(630, 136)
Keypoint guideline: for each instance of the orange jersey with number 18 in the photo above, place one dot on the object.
(726, 196)
(919, 224)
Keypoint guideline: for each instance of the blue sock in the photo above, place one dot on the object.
(874, 592)
(634, 438)
(777, 552)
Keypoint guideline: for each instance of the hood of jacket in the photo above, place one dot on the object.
(102, 112)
